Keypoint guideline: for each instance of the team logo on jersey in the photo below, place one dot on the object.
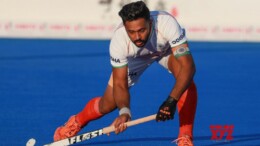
(179, 38)
(160, 46)
(116, 60)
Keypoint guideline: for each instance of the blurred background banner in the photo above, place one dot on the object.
(204, 20)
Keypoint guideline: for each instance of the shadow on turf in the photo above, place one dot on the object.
(237, 139)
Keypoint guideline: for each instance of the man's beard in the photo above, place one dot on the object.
(139, 43)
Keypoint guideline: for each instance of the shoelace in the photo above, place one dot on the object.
(183, 141)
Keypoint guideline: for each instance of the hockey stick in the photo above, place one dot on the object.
(92, 134)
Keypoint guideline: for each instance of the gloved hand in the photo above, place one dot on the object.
(167, 110)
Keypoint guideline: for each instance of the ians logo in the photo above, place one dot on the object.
(219, 131)
(116, 60)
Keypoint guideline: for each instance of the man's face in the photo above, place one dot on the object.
(138, 31)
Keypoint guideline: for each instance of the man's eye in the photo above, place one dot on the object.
(142, 30)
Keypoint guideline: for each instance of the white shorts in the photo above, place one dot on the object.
(136, 67)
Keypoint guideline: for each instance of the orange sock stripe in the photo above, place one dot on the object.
(187, 109)
(90, 112)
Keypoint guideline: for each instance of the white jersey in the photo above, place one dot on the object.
(165, 33)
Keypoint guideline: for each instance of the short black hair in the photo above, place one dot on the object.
(133, 11)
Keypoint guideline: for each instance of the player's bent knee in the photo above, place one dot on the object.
(106, 106)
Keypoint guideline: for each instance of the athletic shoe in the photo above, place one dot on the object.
(69, 129)
(184, 140)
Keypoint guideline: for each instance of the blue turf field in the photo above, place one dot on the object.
(43, 82)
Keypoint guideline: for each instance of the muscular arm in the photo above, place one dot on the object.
(184, 70)
(182, 67)
(120, 87)
(121, 96)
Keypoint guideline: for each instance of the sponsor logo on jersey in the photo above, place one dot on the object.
(132, 74)
(116, 60)
(179, 38)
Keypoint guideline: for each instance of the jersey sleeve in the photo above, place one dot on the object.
(118, 50)
(172, 31)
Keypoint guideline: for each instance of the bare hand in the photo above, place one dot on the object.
(119, 123)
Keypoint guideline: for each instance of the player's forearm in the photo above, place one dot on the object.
(121, 96)
(183, 80)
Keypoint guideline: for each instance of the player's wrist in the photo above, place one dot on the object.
(125, 110)
(171, 99)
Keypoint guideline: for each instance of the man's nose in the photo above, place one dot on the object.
(137, 36)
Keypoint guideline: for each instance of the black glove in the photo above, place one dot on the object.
(167, 109)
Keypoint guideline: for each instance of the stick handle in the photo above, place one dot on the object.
(130, 123)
